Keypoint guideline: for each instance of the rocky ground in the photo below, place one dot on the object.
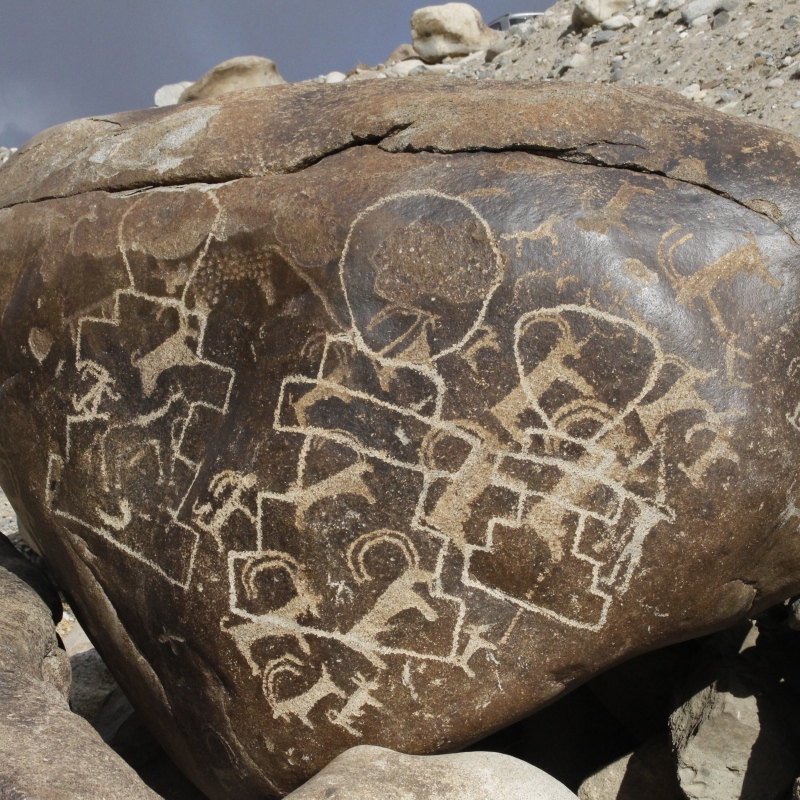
(743, 58)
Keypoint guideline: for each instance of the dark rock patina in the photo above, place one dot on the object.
(365, 415)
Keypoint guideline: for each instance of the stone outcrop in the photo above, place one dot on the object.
(453, 29)
(365, 773)
(392, 418)
(735, 735)
(234, 75)
(48, 753)
(593, 12)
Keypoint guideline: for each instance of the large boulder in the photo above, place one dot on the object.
(233, 75)
(367, 414)
(364, 773)
(453, 29)
(46, 751)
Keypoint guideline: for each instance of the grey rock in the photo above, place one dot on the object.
(92, 685)
(48, 753)
(366, 772)
(604, 36)
(648, 772)
(720, 19)
(668, 6)
(728, 95)
(793, 49)
(728, 5)
(764, 54)
(790, 22)
(728, 735)
(698, 8)
(616, 75)
(794, 606)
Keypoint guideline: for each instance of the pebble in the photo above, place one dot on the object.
(741, 36)
(790, 22)
(775, 83)
(796, 104)
(697, 21)
(720, 19)
(604, 36)
(728, 95)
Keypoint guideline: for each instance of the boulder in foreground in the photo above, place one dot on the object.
(365, 773)
(363, 415)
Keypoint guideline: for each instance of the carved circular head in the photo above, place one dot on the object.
(418, 270)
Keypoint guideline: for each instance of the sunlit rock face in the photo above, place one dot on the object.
(353, 415)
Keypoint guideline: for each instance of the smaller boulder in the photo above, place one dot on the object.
(366, 772)
(453, 29)
(335, 77)
(615, 23)
(234, 75)
(698, 8)
(593, 12)
(170, 94)
(401, 53)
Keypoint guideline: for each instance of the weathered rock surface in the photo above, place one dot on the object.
(452, 29)
(46, 751)
(592, 12)
(736, 735)
(365, 773)
(352, 414)
(646, 774)
(233, 75)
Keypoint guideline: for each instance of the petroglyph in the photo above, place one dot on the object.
(147, 397)
(542, 505)
(701, 284)
(602, 220)
(574, 492)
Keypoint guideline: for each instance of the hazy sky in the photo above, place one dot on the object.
(64, 59)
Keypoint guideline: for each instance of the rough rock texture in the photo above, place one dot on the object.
(736, 735)
(234, 75)
(366, 773)
(744, 61)
(453, 29)
(646, 774)
(46, 751)
(350, 414)
(586, 13)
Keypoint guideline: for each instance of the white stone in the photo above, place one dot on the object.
(698, 8)
(592, 12)
(637, 20)
(697, 21)
(668, 6)
(336, 77)
(401, 69)
(170, 94)
(741, 36)
(615, 23)
(234, 75)
(690, 90)
(775, 83)
(452, 29)
(366, 772)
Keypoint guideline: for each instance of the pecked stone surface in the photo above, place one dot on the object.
(351, 415)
